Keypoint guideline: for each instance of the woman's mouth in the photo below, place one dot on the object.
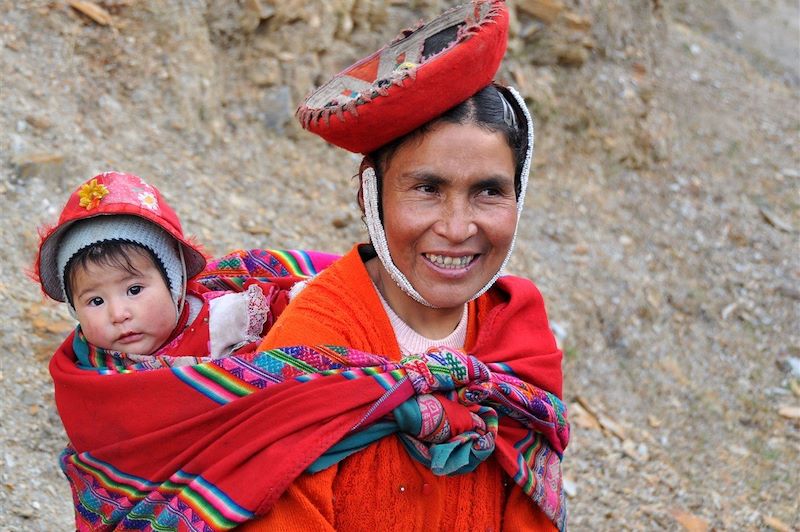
(449, 263)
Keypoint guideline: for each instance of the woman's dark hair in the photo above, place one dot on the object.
(488, 109)
(112, 254)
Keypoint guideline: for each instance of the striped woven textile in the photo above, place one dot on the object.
(212, 445)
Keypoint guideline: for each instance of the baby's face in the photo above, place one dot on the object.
(131, 312)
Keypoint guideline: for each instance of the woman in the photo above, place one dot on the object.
(363, 435)
(441, 200)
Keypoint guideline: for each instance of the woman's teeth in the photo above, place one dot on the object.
(450, 262)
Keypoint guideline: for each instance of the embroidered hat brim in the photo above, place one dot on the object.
(412, 80)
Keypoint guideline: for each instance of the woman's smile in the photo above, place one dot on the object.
(449, 262)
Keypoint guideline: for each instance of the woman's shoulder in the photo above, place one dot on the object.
(339, 305)
(511, 288)
(514, 306)
(347, 275)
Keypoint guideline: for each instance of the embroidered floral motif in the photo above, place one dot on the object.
(91, 193)
(148, 199)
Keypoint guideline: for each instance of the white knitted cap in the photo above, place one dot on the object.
(123, 228)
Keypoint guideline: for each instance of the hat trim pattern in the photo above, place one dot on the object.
(309, 113)
(378, 235)
(128, 229)
(114, 194)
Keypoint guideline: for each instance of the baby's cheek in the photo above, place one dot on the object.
(92, 335)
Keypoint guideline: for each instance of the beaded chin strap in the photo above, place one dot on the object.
(377, 235)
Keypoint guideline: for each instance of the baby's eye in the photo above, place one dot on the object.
(95, 302)
(135, 290)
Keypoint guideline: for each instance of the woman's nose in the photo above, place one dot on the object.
(457, 222)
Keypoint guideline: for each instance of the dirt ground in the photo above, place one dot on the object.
(661, 223)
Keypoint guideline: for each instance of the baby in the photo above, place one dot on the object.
(119, 259)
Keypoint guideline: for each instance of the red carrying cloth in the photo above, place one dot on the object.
(319, 314)
(182, 437)
(209, 446)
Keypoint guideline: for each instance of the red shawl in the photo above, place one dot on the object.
(209, 446)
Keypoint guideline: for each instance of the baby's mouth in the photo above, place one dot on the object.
(129, 336)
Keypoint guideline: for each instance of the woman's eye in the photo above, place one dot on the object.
(134, 290)
(95, 302)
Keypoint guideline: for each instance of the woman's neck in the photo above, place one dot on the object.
(429, 322)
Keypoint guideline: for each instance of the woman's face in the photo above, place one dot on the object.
(449, 210)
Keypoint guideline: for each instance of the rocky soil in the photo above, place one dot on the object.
(661, 226)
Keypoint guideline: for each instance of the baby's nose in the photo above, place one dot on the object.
(119, 312)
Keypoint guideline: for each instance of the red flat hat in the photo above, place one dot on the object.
(111, 193)
(414, 79)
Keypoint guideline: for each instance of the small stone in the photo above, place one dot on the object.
(690, 522)
(25, 513)
(251, 15)
(580, 417)
(738, 450)
(39, 165)
(39, 122)
(793, 366)
(791, 173)
(577, 22)
(573, 55)
(569, 487)
(632, 450)
(93, 11)
(277, 108)
(789, 291)
(265, 72)
(776, 221)
(726, 312)
(545, 10)
(789, 412)
(340, 223)
(643, 451)
(109, 104)
(776, 524)
(559, 331)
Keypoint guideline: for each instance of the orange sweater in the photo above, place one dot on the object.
(382, 487)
